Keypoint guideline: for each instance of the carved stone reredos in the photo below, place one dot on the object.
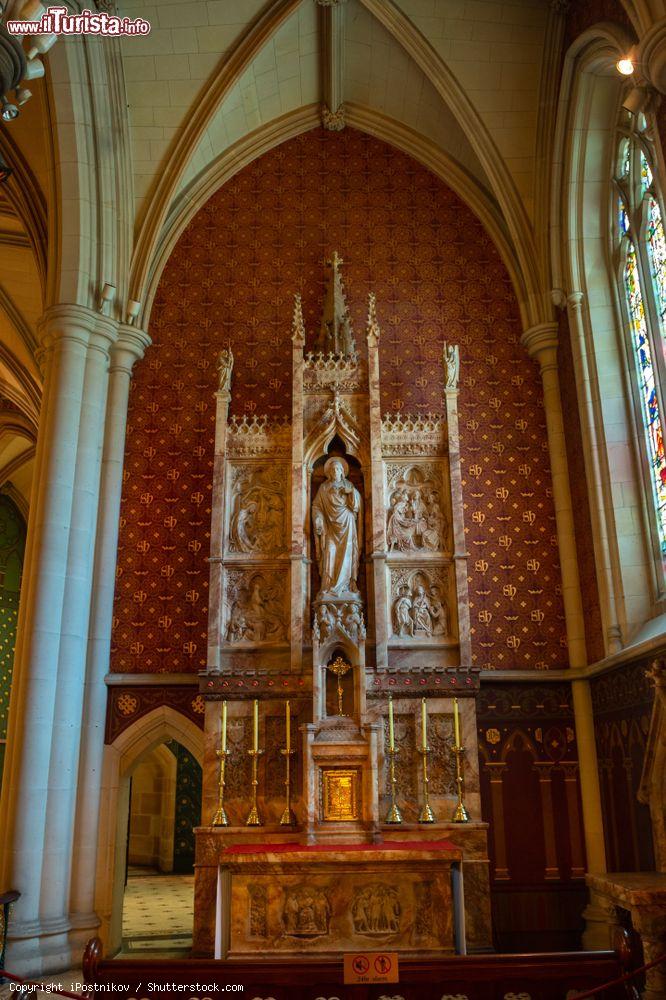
(338, 620)
(411, 434)
(255, 437)
(335, 334)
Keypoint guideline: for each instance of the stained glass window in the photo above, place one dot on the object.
(642, 244)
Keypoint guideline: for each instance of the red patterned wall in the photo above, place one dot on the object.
(231, 278)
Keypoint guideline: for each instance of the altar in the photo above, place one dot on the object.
(341, 805)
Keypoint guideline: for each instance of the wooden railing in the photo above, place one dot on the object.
(472, 977)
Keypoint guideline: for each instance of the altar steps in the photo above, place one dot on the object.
(554, 976)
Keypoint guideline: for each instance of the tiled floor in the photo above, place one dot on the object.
(158, 913)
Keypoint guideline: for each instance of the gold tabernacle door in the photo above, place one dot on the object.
(339, 795)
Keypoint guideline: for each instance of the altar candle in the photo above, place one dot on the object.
(391, 729)
(223, 739)
(424, 725)
(255, 728)
(456, 722)
(288, 728)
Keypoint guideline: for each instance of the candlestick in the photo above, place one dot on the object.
(287, 818)
(288, 720)
(391, 729)
(424, 725)
(460, 814)
(255, 726)
(220, 817)
(394, 815)
(254, 819)
(456, 722)
(426, 815)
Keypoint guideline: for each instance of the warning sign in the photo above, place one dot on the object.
(372, 967)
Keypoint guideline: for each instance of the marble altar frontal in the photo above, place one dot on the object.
(338, 579)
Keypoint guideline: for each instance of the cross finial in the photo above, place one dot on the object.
(336, 261)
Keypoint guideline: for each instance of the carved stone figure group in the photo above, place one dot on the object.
(420, 613)
(306, 912)
(415, 521)
(346, 618)
(376, 910)
(257, 611)
(256, 523)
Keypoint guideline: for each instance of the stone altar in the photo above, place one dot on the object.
(338, 577)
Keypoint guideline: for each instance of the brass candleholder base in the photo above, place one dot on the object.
(254, 819)
(394, 814)
(426, 815)
(460, 815)
(220, 817)
(287, 818)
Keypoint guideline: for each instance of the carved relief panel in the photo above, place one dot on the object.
(257, 523)
(416, 516)
(255, 605)
(422, 603)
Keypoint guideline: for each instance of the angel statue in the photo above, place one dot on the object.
(451, 365)
(225, 365)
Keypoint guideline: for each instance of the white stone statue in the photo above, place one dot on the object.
(225, 366)
(335, 517)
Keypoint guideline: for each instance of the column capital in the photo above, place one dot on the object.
(129, 348)
(575, 300)
(77, 324)
(540, 342)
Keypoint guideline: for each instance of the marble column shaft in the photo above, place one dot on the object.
(378, 512)
(68, 455)
(130, 346)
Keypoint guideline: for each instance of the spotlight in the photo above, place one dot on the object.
(133, 310)
(9, 111)
(625, 66)
(5, 171)
(107, 296)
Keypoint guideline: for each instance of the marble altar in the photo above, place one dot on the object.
(338, 578)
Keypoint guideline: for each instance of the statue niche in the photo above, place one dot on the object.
(337, 530)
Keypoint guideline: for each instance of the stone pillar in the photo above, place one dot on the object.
(541, 344)
(297, 555)
(44, 746)
(378, 513)
(129, 347)
(217, 521)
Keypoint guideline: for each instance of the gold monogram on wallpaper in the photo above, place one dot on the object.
(231, 280)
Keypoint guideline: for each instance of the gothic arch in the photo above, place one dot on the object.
(120, 758)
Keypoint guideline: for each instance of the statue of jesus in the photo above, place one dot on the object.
(335, 516)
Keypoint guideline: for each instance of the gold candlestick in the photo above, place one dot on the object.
(287, 818)
(254, 818)
(426, 815)
(460, 815)
(394, 815)
(220, 817)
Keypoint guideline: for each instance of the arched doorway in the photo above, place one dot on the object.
(164, 808)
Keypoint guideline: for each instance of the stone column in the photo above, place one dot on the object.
(129, 347)
(217, 526)
(378, 512)
(71, 337)
(541, 344)
(298, 561)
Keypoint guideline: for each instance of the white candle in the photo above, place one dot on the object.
(424, 725)
(288, 728)
(255, 728)
(456, 722)
(391, 730)
(224, 726)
